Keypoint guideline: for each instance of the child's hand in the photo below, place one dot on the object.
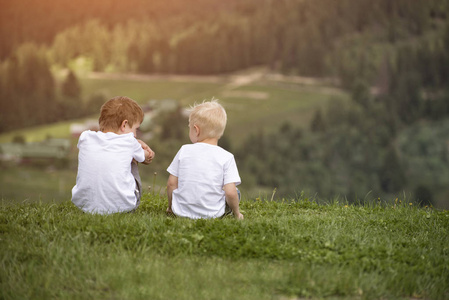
(239, 216)
(148, 157)
(169, 212)
(149, 154)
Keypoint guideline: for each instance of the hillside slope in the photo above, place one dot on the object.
(283, 249)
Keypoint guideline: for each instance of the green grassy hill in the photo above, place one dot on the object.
(282, 250)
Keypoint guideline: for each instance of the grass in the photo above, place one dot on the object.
(144, 90)
(246, 114)
(282, 250)
(249, 115)
(295, 103)
(39, 133)
(31, 184)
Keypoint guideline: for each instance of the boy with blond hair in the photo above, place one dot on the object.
(203, 176)
(108, 179)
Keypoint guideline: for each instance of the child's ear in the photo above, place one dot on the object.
(123, 125)
(197, 130)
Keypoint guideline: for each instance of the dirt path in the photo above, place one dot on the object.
(147, 78)
(235, 80)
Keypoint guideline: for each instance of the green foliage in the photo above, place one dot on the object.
(318, 123)
(29, 95)
(424, 151)
(361, 93)
(94, 103)
(282, 249)
(351, 151)
(423, 195)
(28, 89)
(71, 104)
(361, 43)
(347, 39)
(341, 160)
(174, 125)
(391, 173)
(71, 87)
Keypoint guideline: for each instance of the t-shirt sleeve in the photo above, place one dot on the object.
(81, 139)
(173, 168)
(138, 153)
(231, 173)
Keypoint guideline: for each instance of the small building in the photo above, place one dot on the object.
(48, 149)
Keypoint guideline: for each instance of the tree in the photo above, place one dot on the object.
(29, 94)
(318, 124)
(391, 174)
(71, 87)
(174, 125)
(94, 103)
(361, 93)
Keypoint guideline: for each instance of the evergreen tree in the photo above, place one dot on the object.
(318, 124)
(71, 87)
(34, 94)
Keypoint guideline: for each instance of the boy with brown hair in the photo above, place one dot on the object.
(203, 176)
(108, 179)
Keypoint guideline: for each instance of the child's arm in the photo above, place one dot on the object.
(232, 198)
(172, 184)
(149, 154)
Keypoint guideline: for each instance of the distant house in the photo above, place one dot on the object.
(48, 149)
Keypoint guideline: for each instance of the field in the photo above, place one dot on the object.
(31, 184)
(282, 250)
(254, 102)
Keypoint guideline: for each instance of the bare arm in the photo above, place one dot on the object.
(149, 154)
(232, 199)
(172, 184)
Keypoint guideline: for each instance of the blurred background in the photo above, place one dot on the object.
(344, 99)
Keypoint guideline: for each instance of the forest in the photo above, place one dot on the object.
(392, 56)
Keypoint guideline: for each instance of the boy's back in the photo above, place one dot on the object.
(203, 170)
(203, 177)
(108, 179)
(104, 181)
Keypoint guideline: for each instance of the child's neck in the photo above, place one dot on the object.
(113, 131)
(116, 131)
(210, 141)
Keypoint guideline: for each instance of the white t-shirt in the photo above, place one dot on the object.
(202, 171)
(104, 183)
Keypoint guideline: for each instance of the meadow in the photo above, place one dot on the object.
(262, 103)
(285, 249)
(259, 103)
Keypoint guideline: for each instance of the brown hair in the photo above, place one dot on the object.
(118, 109)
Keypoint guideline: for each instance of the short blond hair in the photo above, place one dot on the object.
(118, 109)
(210, 116)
